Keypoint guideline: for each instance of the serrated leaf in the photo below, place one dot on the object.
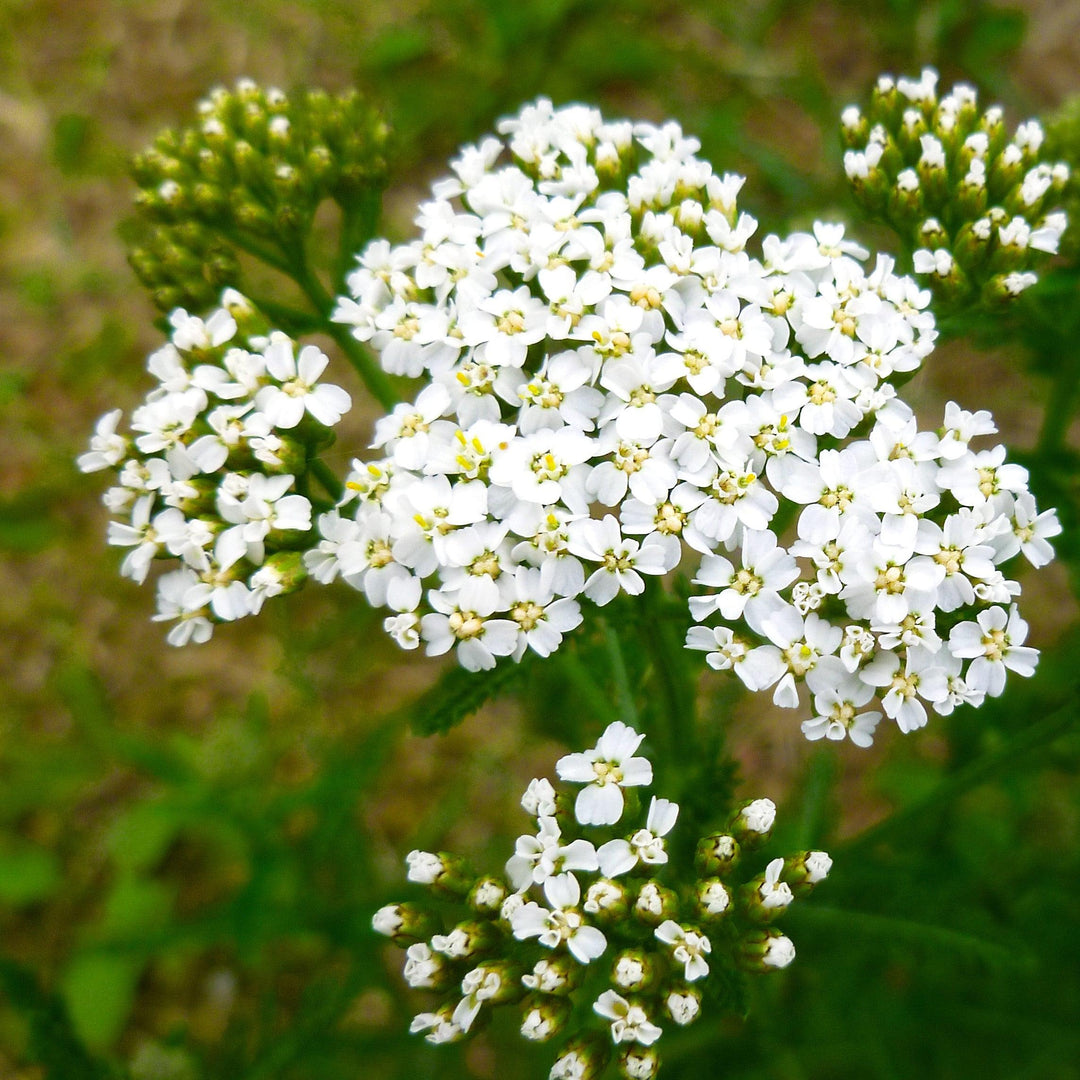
(457, 695)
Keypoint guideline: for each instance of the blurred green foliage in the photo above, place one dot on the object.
(191, 847)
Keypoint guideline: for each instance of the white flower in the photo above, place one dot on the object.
(285, 404)
(994, 642)
(606, 770)
(629, 1023)
(689, 948)
(758, 816)
(773, 892)
(779, 952)
(563, 924)
(645, 846)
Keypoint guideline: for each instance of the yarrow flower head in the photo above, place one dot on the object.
(615, 383)
(979, 210)
(208, 475)
(620, 926)
(256, 166)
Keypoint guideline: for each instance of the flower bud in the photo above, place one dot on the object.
(582, 1058)
(634, 971)
(425, 969)
(716, 855)
(854, 128)
(807, 870)
(559, 976)
(486, 896)
(766, 896)
(441, 871)
(544, 1017)
(713, 899)
(753, 823)
(683, 1003)
(655, 903)
(403, 923)
(765, 950)
(467, 939)
(607, 901)
(638, 1062)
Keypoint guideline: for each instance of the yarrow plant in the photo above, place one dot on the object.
(593, 911)
(616, 397)
(613, 384)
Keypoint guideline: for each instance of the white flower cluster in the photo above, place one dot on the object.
(622, 897)
(611, 375)
(975, 205)
(208, 474)
(893, 584)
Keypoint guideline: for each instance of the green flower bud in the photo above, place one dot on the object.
(466, 940)
(283, 572)
(544, 1017)
(712, 899)
(716, 855)
(655, 903)
(765, 950)
(403, 923)
(683, 1003)
(442, 871)
(581, 1058)
(559, 975)
(754, 821)
(634, 971)
(807, 869)
(606, 900)
(932, 233)
(486, 896)
(638, 1062)
(854, 128)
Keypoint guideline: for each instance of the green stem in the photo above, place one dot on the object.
(359, 221)
(978, 772)
(675, 689)
(374, 378)
(624, 693)
(326, 476)
(1059, 405)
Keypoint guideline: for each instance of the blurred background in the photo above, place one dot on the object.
(192, 841)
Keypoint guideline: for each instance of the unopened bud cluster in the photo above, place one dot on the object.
(591, 910)
(977, 208)
(212, 471)
(250, 174)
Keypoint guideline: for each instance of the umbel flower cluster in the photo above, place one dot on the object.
(594, 933)
(612, 378)
(250, 177)
(212, 472)
(976, 208)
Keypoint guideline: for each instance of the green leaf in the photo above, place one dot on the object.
(457, 695)
(99, 989)
(139, 838)
(27, 875)
(136, 904)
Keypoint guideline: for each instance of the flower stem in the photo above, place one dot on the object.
(374, 378)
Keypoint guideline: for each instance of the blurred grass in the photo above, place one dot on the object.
(191, 843)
